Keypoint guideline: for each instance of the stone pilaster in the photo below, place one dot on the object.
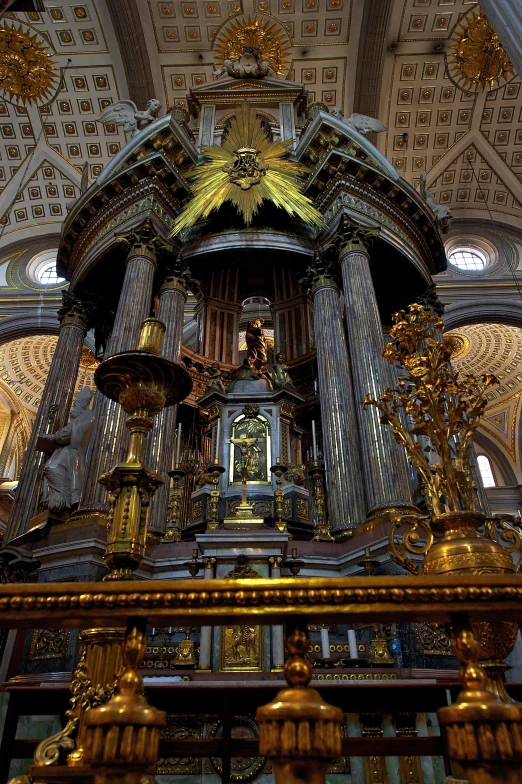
(134, 307)
(344, 483)
(384, 466)
(56, 401)
(161, 444)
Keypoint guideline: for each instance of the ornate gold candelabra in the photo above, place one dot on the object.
(173, 529)
(444, 409)
(143, 382)
(299, 732)
(279, 470)
(321, 532)
(215, 471)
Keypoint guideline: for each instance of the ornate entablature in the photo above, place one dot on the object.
(159, 157)
(348, 173)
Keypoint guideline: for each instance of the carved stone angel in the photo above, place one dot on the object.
(126, 113)
(249, 64)
(360, 122)
(441, 212)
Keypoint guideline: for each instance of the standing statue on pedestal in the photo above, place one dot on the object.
(256, 345)
(64, 471)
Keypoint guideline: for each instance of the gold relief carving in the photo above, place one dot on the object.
(477, 59)
(287, 508)
(181, 727)
(27, 72)
(241, 645)
(243, 769)
(49, 644)
(246, 170)
(375, 767)
(260, 508)
(303, 509)
(296, 474)
(433, 639)
(197, 510)
(409, 767)
(286, 410)
(478, 563)
(260, 33)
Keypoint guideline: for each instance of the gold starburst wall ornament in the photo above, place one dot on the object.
(247, 169)
(27, 72)
(477, 59)
(265, 35)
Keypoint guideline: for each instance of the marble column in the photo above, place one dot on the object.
(161, 443)
(205, 639)
(55, 403)
(134, 307)
(506, 20)
(344, 482)
(384, 465)
(278, 642)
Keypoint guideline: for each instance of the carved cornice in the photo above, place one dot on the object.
(321, 272)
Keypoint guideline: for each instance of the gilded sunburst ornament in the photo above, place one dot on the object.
(258, 32)
(477, 59)
(27, 72)
(247, 169)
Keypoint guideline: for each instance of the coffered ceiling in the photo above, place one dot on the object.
(386, 57)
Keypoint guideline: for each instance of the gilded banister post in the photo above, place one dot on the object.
(345, 488)
(299, 732)
(160, 448)
(143, 247)
(75, 320)
(384, 467)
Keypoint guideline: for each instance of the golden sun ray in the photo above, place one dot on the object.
(247, 170)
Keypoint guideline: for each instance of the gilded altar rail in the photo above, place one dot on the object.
(359, 599)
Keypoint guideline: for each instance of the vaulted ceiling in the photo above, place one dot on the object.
(387, 58)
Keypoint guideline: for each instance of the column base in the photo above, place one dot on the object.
(204, 668)
(385, 512)
(278, 668)
(343, 534)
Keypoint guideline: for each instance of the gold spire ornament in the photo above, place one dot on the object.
(247, 169)
(27, 72)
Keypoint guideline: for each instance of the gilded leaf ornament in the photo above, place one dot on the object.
(27, 72)
(260, 33)
(443, 409)
(246, 170)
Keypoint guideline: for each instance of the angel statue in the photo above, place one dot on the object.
(441, 212)
(360, 122)
(126, 113)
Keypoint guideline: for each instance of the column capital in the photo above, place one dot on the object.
(143, 240)
(321, 272)
(431, 302)
(352, 236)
(276, 561)
(209, 563)
(177, 275)
(75, 312)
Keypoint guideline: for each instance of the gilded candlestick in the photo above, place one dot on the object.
(321, 532)
(215, 471)
(173, 530)
(279, 470)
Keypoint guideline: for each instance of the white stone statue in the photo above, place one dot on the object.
(249, 65)
(64, 471)
(126, 113)
(361, 122)
(441, 212)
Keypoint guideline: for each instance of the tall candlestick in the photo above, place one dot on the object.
(218, 432)
(314, 442)
(178, 444)
(352, 643)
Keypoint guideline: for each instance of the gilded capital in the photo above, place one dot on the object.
(209, 563)
(75, 311)
(352, 236)
(321, 272)
(276, 561)
(177, 275)
(143, 241)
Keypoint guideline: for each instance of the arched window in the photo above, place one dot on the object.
(41, 269)
(468, 259)
(486, 471)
